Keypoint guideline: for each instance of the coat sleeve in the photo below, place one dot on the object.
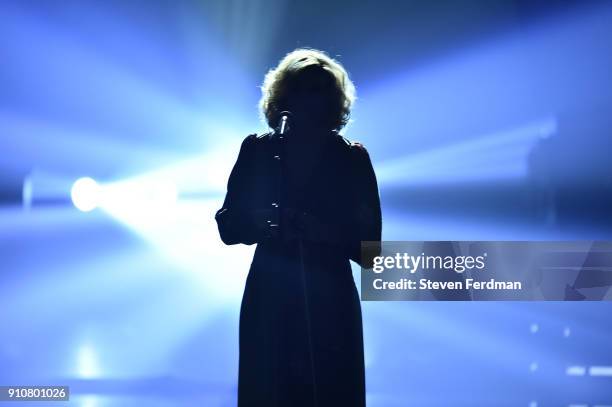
(367, 216)
(234, 218)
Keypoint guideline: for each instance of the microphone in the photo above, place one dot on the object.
(279, 156)
(285, 122)
(276, 229)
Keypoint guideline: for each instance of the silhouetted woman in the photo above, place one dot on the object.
(301, 341)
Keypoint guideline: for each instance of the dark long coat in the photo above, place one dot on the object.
(300, 336)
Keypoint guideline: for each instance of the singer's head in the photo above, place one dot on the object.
(313, 86)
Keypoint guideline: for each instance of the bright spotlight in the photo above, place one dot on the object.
(85, 194)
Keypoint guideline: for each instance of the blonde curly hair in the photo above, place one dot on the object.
(279, 81)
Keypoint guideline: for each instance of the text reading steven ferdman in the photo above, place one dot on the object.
(487, 271)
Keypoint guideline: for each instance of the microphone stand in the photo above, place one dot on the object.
(279, 155)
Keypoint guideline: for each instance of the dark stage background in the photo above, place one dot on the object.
(485, 120)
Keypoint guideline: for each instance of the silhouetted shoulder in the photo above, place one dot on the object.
(253, 140)
(256, 140)
(248, 141)
(263, 136)
(345, 142)
(356, 147)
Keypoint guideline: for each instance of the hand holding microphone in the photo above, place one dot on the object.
(294, 224)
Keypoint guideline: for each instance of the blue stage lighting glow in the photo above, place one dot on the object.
(85, 194)
(88, 363)
(497, 156)
(182, 230)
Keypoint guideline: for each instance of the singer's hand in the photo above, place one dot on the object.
(300, 224)
(294, 224)
(263, 219)
(266, 222)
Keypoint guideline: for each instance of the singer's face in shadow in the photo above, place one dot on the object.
(311, 98)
